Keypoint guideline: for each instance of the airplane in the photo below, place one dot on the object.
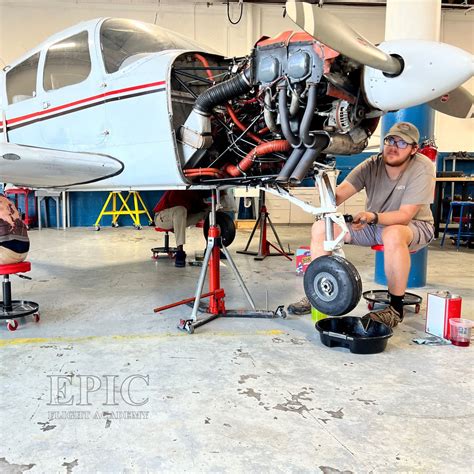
(117, 104)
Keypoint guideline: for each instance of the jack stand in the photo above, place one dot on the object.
(216, 307)
(263, 244)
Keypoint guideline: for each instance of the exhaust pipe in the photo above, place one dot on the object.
(304, 165)
(290, 165)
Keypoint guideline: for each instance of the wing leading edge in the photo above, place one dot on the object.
(30, 166)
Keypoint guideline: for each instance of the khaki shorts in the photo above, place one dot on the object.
(8, 256)
(423, 234)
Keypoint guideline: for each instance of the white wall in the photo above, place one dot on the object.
(24, 23)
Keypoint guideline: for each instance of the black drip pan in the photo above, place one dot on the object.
(360, 335)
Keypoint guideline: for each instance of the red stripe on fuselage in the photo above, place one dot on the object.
(82, 101)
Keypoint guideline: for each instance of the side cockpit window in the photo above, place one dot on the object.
(21, 80)
(67, 62)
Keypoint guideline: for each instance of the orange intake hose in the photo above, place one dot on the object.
(262, 149)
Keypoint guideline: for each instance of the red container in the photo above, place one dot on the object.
(440, 308)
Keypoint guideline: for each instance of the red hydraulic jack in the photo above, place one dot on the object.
(263, 244)
(216, 294)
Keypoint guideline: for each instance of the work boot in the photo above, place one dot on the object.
(303, 306)
(387, 316)
(180, 259)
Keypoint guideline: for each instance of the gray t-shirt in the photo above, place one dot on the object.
(414, 186)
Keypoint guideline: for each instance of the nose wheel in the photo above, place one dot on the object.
(332, 285)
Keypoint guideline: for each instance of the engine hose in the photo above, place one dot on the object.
(222, 92)
(193, 172)
(294, 104)
(294, 141)
(308, 140)
(204, 62)
(290, 165)
(240, 125)
(263, 149)
(268, 114)
(308, 159)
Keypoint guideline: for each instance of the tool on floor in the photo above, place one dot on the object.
(216, 307)
(263, 244)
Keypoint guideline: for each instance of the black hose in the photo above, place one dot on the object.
(294, 141)
(222, 92)
(308, 117)
(304, 165)
(290, 165)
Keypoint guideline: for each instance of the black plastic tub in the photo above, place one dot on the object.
(361, 336)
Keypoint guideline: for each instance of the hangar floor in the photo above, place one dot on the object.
(238, 395)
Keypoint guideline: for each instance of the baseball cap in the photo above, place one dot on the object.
(405, 130)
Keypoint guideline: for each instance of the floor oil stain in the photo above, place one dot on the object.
(11, 468)
(244, 378)
(336, 414)
(70, 465)
(250, 392)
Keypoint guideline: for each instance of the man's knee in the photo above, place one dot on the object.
(318, 231)
(396, 235)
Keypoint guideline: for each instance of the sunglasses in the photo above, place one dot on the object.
(402, 144)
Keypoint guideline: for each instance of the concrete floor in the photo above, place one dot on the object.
(238, 395)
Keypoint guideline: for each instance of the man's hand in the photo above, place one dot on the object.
(361, 219)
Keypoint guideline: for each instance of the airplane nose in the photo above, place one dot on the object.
(430, 70)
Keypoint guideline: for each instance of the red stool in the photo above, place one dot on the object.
(170, 251)
(10, 309)
(25, 192)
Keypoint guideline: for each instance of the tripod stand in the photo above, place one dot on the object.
(263, 244)
(216, 294)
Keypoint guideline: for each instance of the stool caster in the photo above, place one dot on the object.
(36, 317)
(97, 228)
(12, 325)
(417, 308)
(370, 306)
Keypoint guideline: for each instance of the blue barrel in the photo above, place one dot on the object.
(417, 275)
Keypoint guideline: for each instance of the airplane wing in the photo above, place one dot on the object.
(36, 167)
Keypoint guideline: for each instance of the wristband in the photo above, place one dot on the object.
(376, 219)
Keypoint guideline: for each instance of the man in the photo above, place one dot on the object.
(14, 241)
(400, 186)
(177, 210)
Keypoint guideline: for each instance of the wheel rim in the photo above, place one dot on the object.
(326, 287)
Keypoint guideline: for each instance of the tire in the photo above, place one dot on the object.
(227, 226)
(332, 285)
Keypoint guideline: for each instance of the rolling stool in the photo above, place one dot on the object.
(12, 310)
(416, 278)
(171, 251)
(469, 231)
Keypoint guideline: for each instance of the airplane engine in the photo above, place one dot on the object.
(271, 114)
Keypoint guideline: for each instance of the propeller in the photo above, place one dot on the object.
(457, 103)
(336, 34)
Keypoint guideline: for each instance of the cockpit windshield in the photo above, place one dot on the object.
(121, 39)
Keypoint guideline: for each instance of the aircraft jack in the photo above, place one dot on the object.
(216, 294)
(263, 244)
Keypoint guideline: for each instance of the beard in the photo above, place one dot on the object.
(398, 161)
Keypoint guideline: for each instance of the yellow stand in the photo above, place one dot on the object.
(133, 213)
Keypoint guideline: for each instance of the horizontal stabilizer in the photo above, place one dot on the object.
(35, 167)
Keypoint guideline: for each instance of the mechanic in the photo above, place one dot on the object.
(399, 183)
